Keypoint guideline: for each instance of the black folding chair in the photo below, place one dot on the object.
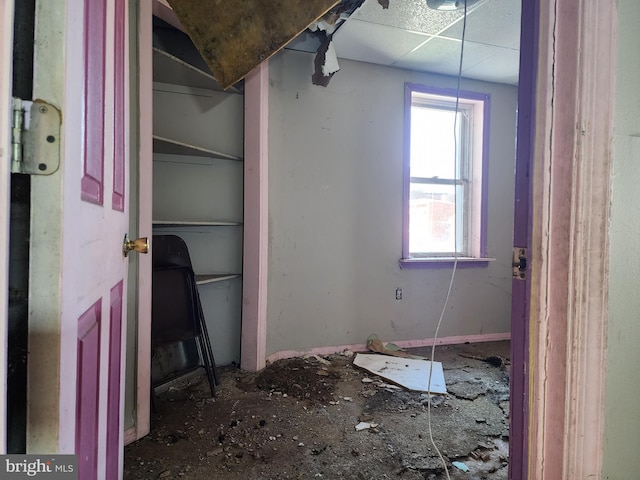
(177, 320)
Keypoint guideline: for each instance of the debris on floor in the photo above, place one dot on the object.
(375, 345)
(365, 426)
(289, 422)
(408, 372)
(494, 360)
(460, 466)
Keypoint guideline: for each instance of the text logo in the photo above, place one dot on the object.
(50, 467)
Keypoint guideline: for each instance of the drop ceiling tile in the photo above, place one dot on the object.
(411, 15)
(502, 67)
(440, 55)
(401, 36)
(494, 22)
(372, 43)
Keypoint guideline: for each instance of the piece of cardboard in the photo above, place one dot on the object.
(407, 372)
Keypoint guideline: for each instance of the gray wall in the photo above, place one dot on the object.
(622, 419)
(335, 213)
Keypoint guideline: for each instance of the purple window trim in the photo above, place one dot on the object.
(407, 261)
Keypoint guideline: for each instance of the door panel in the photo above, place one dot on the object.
(94, 100)
(88, 391)
(118, 197)
(114, 425)
(94, 92)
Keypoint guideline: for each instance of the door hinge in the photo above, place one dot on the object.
(519, 263)
(35, 137)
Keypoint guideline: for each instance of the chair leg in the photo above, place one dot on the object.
(207, 358)
(153, 400)
(207, 345)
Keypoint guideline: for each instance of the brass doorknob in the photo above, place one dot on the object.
(140, 245)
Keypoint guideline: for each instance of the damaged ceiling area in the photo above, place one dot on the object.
(234, 38)
(412, 35)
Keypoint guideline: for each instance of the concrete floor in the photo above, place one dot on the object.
(297, 418)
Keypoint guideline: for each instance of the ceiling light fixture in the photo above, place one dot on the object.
(450, 4)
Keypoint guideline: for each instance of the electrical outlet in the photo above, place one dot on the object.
(398, 294)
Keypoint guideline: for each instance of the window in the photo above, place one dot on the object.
(444, 178)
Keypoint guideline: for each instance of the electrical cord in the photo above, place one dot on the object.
(455, 237)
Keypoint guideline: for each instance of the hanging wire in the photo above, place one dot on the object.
(455, 236)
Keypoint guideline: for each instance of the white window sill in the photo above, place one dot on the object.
(435, 262)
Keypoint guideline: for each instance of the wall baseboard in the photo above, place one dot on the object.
(427, 342)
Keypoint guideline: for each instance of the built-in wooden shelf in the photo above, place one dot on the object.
(168, 68)
(198, 187)
(175, 147)
(188, 223)
(213, 278)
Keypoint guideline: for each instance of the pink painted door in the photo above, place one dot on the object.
(80, 218)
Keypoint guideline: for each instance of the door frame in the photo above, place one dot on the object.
(569, 238)
(6, 69)
(141, 197)
(47, 354)
(255, 266)
(520, 291)
(570, 209)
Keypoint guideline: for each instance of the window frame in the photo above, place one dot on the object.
(477, 236)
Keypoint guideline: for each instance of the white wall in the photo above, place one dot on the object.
(335, 213)
(622, 417)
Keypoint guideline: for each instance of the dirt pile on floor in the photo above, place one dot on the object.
(297, 419)
(311, 378)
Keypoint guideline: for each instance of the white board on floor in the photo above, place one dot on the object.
(408, 372)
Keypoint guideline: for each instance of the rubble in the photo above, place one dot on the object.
(289, 422)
